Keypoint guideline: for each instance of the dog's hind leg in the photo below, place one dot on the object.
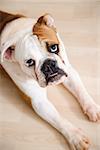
(74, 84)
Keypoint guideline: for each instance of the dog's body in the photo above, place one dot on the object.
(34, 56)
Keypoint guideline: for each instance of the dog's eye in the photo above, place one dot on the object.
(30, 62)
(53, 48)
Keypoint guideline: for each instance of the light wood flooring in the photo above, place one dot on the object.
(78, 22)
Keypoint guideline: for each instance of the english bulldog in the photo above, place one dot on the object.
(34, 56)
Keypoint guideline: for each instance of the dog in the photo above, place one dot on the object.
(34, 56)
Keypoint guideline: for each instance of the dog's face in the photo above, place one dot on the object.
(41, 54)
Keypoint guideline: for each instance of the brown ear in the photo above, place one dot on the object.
(45, 29)
(46, 19)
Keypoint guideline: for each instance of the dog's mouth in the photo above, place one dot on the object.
(55, 76)
(52, 73)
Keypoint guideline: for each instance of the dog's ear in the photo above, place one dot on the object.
(48, 20)
(45, 29)
(8, 53)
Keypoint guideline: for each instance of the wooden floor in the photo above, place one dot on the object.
(78, 22)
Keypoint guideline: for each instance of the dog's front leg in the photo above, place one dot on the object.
(75, 86)
(44, 108)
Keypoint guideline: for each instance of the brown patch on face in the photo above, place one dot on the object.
(6, 18)
(44, 31)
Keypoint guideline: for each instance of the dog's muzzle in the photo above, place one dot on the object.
(51, 71)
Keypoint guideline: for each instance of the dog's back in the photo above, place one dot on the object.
(6, 18)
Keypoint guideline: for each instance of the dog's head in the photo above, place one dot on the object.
(41, 54)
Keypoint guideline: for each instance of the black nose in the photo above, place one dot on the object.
(51, 71)
(49, 67)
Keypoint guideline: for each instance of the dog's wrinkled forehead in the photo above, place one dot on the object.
(45, 29)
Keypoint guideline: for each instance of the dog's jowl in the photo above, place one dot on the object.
(34, 56)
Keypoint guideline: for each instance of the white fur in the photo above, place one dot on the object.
(26, 80)
(8, 37)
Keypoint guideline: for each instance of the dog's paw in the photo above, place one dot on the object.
(93, 112)
(79, 141)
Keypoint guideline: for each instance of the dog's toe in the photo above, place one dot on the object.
(93, 112)
(79, 141)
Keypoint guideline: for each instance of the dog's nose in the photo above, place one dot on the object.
(49, 67)
(51, 71)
